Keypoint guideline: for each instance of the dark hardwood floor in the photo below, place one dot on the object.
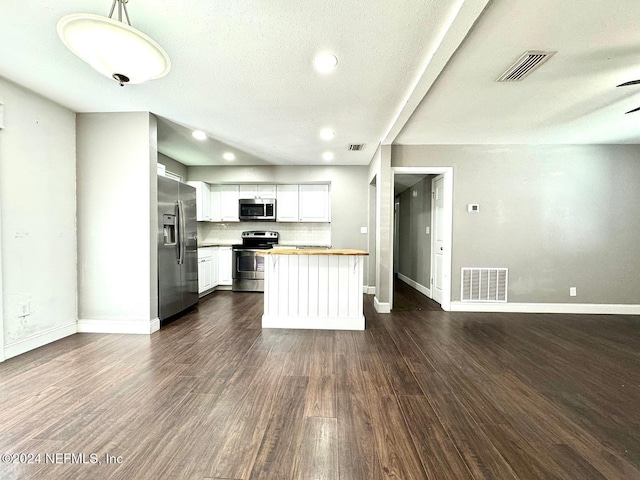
(420, 394)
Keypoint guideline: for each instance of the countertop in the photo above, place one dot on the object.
(205, 245)
(313, 251)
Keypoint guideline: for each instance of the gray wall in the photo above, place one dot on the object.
(414, 245)
(556, 216)
(173, 166)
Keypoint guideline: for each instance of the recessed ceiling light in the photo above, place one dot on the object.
(199, 135)
(228, 156)
(325, 62)
(328, 156)
(327, 134)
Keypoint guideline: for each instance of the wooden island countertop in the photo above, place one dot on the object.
(313, 251)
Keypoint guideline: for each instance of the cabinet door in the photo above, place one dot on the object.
(287, 203)
(257, 191)
(214, 266)
(314, 203)
(248, 191)
(229, 203)
(266, 191)
(204, 274)
(225, 275)
(216, 209)
(203, 201)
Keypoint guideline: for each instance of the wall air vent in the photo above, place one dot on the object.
(356, 147)
(484, 284)
(527, 63)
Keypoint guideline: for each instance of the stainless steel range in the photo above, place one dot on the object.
(248, 268)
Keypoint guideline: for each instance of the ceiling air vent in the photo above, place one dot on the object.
(356, 147)
(526, 64)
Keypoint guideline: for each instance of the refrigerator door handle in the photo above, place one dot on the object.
(178, 233)
(182, 233)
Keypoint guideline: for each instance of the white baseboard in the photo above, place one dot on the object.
(588, 308)
(370, 290)
(381, 307)
(314, 323)
(143, 327)
(38, 340)
(421, 288)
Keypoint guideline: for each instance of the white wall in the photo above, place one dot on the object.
(38, 208)
(117, 197)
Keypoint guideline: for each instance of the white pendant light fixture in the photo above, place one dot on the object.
(114, 48)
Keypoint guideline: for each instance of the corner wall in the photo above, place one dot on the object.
(38, 209)
(117, 198)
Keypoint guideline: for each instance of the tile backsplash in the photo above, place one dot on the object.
(290, 233)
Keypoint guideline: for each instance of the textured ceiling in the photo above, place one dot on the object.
(572, 98)
(242, 72)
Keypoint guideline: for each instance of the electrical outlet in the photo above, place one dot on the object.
(573, 291)
(427, 230)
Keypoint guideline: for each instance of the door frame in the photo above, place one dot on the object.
(432, 254)
(447, 226)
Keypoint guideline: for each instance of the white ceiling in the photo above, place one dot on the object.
(242, 72)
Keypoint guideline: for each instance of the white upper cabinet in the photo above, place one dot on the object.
(257, 191)
(287, 203)
(216, 207)
(314, 203)
(203, 201)
(294, 203)
(229, 195)
(224, 203)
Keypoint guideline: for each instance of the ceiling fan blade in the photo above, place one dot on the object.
(634, 110)
(632, 82)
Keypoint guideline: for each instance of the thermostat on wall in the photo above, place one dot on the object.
(473, 208)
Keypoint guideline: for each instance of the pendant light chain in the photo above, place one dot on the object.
(122, 5)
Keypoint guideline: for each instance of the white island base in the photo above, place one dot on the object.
(313, 289)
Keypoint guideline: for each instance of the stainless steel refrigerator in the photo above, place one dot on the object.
(177, 247)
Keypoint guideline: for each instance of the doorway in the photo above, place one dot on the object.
(422, 235)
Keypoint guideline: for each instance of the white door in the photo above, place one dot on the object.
(437, 235)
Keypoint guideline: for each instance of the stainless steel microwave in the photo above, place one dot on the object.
(257, 209)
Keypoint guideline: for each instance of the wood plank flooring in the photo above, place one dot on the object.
(420, 394)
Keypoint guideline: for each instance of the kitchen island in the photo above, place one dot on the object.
(313, 288)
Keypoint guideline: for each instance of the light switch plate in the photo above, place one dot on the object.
(364, 230)
(473, 208)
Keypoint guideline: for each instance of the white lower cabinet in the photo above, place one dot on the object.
(214, 268)
(225, 274)
(205, 271)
